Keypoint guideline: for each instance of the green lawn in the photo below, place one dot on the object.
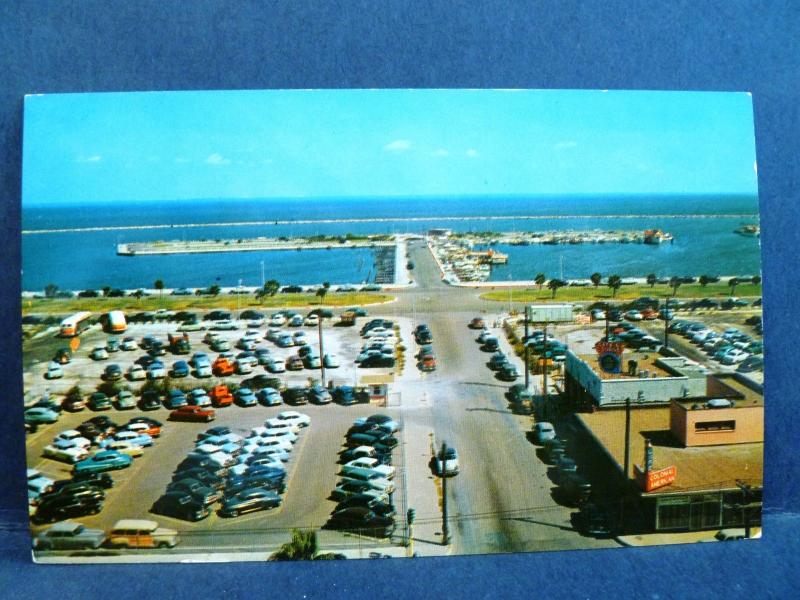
(626, 292)
(222, 301)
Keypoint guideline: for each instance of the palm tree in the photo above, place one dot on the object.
(270, 288)
(554, 284)
(733, 282)
(756, 280)
(596, 278)
(540, 279)
(321, 293)
(159, 285)
(704, 280)
(303, 546)
(214, 290)
(674, 283)
(106, 290)
(614, 282)
(50, 290)
(652, 279)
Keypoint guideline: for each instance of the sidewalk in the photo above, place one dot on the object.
(659, 539)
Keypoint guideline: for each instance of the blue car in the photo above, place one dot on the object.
(269, 397)
(246, 397)
(344, 395)
(175, 399)
(40, 415)
(180, 369)
(107, 460)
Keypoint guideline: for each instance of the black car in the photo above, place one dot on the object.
(103, 423)
(262, 381)
(208, 479)
(507, 372)
(363, 521)
(592, 520)
(197, 489)
(68, 486)
(251, 315)
(424, 337)
(91, 432)
(213, 431)
(295, 395)
(492, 344)
(376, 323)
(98, 480)
(266, 479)
(377, 360)
(196, 462)
(180, 505)
(218, 315)
(370, 427)
(249, 500)
(291, 289)
(371, 439)
(574, 490)
(64, 506)
(362, 501)
(150, 400)
(76, 489)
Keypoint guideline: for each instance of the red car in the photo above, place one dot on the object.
(193, 413)
(649, 314)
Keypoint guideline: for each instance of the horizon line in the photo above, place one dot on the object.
(653, 195)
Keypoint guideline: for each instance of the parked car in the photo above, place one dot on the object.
(106, 460)
(593, 521)
(363, 521)
(99, 401)
(377, 360)
(295, 395)
(180, 369)
(477, 323)
(40, 415)
(125, 400)
(193, 413)
(150, 400)
(69, 535)
(543, 431)
(507, 372)
(275, 365)
(245, 397)
(140, 533)
(269, 397)
(99, 353)
(64, 453)
(449, 466)
(60, 506)
(175, 399)
(290, 416)
(54, 371)
(249, 500)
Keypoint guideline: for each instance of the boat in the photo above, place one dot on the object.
(656, 236)
(749, 230)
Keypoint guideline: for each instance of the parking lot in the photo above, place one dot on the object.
(311, 471)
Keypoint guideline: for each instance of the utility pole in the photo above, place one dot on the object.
(527, 351)
(445, 527)
(321, 350)
(543, 362)
(238, 298)
(509, 294)
(666, 326)
(621, 525)
(607, 307)
(410, 515)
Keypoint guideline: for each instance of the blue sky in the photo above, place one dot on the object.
(87, 148)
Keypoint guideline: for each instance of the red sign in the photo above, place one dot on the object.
(74, 344)
(655, 479)
(613, 347)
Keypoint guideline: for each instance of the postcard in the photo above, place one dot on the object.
(339, 324)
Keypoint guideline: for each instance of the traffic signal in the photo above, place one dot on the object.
(410, 516)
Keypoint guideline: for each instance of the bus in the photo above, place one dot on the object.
(75, 324)
(114, 321)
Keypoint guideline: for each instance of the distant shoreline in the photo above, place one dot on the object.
(383, 220)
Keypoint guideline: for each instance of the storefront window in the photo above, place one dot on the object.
(672, 513)
(705, 511)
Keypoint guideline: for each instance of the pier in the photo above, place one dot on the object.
(245, 245)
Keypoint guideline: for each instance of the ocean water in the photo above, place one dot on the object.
(80, 260)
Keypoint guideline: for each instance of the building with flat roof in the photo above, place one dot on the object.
(680, 477)
(645, 377)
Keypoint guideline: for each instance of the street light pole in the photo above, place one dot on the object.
(321, 350)
(527, 352)
(262, 274)
(445, 527)
(238, 298)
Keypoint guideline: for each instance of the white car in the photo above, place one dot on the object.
(373, 465)
(543, 431)
(292, 416)
(136, 373)
(99, 353)
(378, 331)
(633, 315)
(211, 336)
(283, 434)
(127, 448)
(224, 325)
(330, 361)
(191, 326)
(276, 365)
(73, 437)
(54, 371)
(38, 484)
(734, 356)
(128, 344)
(299, 338)
(69, 455)
(277, 320)
(275, 423)
(251, 443)
(701, 336)
(203, 370)
(311, 321)
(243, 367)
(135, 437)
(205, 449)
(138, 428)
(156, 370)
